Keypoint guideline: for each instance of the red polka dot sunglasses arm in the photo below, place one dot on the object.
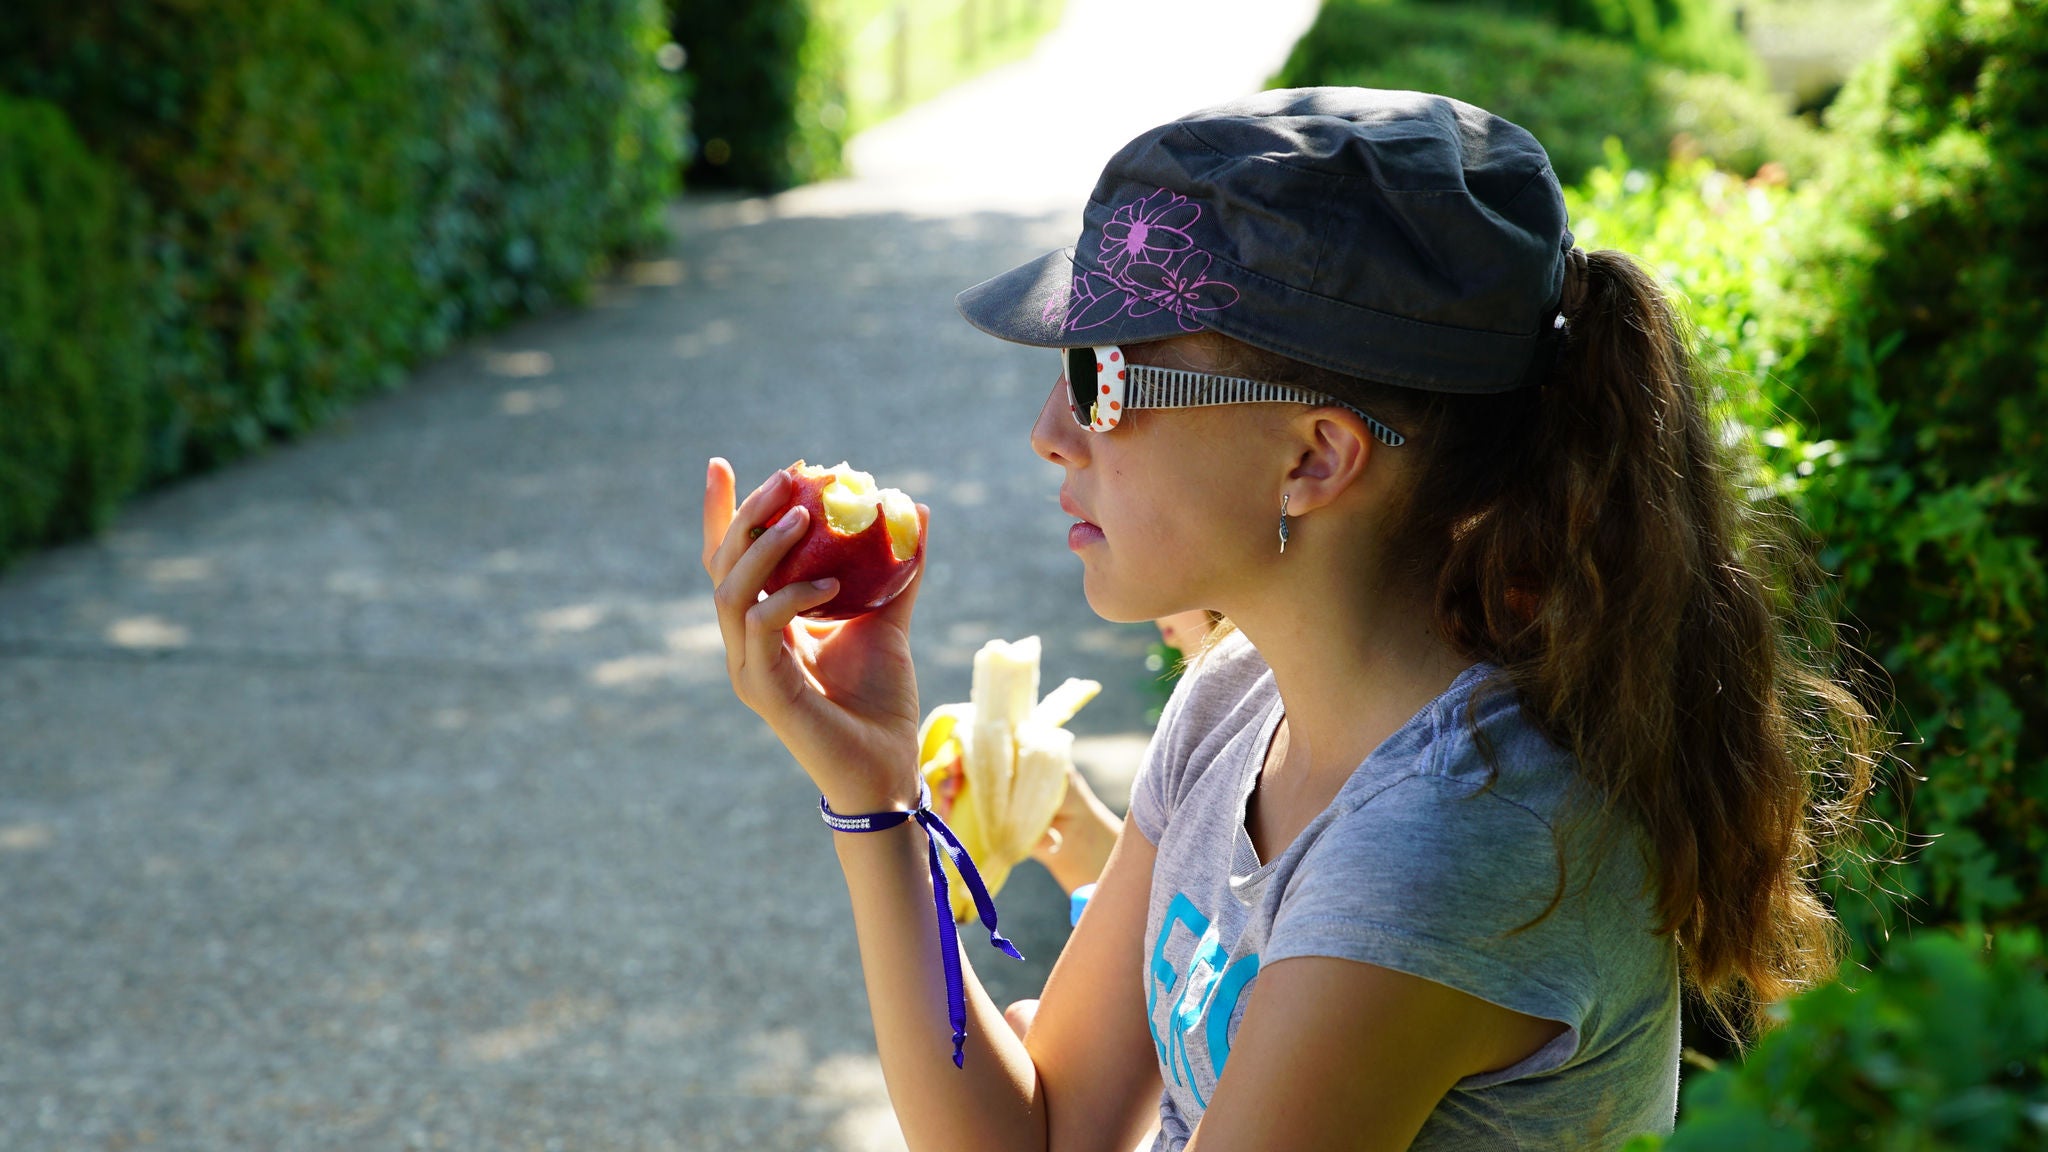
(1104, 386)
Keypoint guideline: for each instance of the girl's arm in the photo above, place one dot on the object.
(842, 697)
(994, 1099)
(1087, 1081)
(1338, 1054)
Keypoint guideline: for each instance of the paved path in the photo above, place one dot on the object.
(387, 792)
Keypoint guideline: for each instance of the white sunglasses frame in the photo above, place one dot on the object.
(1122, 386)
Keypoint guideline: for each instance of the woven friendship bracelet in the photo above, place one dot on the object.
(935, 832)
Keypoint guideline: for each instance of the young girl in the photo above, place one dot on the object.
(1505, 734)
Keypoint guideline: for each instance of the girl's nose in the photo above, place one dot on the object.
(1055, 436)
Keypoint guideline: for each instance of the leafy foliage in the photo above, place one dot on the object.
(1944, 1047)
(71, 437)
(336, 189)
(1927, 352)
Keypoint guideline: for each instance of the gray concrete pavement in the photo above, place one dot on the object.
(387, 791)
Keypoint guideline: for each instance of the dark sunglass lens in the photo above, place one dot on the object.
(1081, 382)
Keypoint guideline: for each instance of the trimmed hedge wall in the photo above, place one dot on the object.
(331, 190)
(769, 98)
(71, 410)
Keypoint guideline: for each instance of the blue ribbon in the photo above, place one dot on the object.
(935, 832)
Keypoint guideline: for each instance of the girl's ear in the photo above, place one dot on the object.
(1335, 451)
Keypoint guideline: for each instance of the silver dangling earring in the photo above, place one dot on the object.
(1285, 497)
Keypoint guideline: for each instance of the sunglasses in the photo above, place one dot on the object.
(1105, 386)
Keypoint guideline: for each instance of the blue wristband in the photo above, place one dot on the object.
(935, 831)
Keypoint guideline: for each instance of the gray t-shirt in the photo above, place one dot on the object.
(1409, 869)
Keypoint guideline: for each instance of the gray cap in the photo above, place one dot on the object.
(1397, 236)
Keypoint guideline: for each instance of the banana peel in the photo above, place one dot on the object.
(997, 764)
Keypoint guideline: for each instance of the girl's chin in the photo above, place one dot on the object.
(1102, 600)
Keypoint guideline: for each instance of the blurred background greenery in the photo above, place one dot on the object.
(260, 214)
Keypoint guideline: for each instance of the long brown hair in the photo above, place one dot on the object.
(1588, 537)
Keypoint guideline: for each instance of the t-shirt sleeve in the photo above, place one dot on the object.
(1431, 879)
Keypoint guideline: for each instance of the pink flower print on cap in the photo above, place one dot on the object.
(1150, 263)
(1181, 289)
(1096, 300)
(1151, 230)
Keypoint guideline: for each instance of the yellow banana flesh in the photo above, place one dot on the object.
(997, 764)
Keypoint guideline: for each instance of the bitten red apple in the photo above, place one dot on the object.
(869, 539)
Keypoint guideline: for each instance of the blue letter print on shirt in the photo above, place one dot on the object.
(1215, 989)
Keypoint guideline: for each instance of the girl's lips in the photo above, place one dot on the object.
(1082, 534)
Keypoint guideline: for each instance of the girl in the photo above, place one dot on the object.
(1504, 737)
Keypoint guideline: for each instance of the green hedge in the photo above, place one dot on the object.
(336, 189)
(1571, 89)
(71, 409)
(769, 97)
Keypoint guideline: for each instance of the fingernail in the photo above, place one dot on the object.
(790, 517)
(825, 585)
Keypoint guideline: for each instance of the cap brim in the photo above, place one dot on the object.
(1029, 303)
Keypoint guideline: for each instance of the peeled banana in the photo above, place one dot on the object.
(997, 765)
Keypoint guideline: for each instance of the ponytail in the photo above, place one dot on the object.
(1587, 535)
(1664, 647)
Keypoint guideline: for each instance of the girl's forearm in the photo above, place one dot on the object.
(996, 1100)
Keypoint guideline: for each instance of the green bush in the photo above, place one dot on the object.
(1944, 1047)
(337, 189)
(71, 431)
(769, 96)
(1572, 90)
(1927, 353)
(1697, 35)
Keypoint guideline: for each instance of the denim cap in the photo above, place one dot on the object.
(1397, 236)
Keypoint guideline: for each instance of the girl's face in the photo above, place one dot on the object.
(1186, 500)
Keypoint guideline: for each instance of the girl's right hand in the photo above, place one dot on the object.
(840, 695)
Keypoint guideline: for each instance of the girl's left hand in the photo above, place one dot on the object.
(841, 695)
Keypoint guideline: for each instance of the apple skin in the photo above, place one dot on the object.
(869, 574)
